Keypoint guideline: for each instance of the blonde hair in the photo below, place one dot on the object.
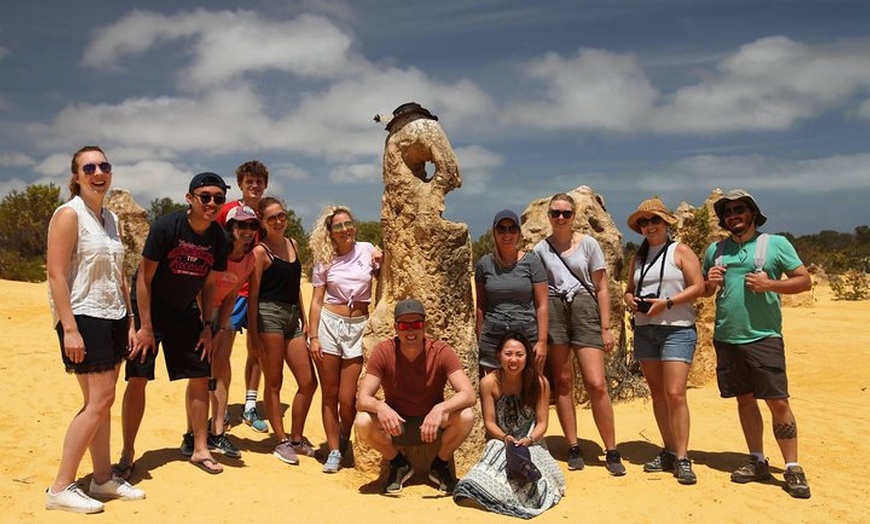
(321, 244)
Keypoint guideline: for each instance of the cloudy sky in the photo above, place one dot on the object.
(632, 98)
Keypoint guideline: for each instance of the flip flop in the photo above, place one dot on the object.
(207, 465)
(124, 471)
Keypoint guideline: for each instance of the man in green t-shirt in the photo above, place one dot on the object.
(750, 353)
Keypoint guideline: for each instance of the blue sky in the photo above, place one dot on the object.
(632, 98)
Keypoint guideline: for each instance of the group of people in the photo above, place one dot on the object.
(217, 267)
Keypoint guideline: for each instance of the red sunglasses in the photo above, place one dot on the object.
(405, 326)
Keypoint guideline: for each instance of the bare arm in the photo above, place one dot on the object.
(630, 290)
(388, 420)
(145, 336)
(488, 392)
(207, 295)
(602, 289)
(798, 281)
(480, 307)
(62, 239)
(314, 349)
(260, 262)
(542, 316)
(463, 398)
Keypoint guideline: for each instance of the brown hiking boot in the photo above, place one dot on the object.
(753, 470)
(796, 482)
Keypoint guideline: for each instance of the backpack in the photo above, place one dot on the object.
(760, 251)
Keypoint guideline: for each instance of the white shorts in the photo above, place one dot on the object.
(341, 336)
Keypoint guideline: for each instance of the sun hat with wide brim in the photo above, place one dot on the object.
(653, 206)
(738, 194)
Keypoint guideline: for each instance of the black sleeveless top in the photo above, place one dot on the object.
(281, 280)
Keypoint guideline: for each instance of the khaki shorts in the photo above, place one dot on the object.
(279, 317)
(576, 323)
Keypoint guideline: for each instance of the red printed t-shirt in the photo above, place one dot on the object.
(412, 388)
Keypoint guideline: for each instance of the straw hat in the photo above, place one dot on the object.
(653, 206)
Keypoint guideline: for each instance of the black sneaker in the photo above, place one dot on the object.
(187, 444)
(683, 472)
(796, 482)
(613, 463)
(221, 443)
(753, 470)
(397, 477)
(440, 474)
(575, 458)
(664, 461)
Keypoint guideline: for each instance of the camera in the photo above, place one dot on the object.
(643, 306)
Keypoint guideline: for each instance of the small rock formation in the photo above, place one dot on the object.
(593, 219)
(134, 227)
(425, 257)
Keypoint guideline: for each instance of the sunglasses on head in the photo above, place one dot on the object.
(248, 224)
(206, 198)
(735, 210)
(564, 213)
(90, 169)
(344, 226)
(274, 219)
(405, 326)
(512, 229)
(655, 220)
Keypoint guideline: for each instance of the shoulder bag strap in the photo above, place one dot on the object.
(562, 260)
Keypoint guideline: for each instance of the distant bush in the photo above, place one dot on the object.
(851, 285)
(15, 267)
(24, 218)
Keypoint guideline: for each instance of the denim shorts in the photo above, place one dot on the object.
(665, 343)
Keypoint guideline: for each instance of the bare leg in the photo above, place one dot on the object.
(132, 411)
(253, 368)
(330, 381)
(296, 356)
(350, 371)
(456, 429)
(368, 429)
(222, 372)
(98, 392)
(197, 412)
(592, 370)
(273, 371)
(562, 366)
(676, 375)
(652, 371)
(784, 428)
(751, 422)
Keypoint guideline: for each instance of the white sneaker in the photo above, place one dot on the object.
(333, 462)
(115, 488)
(72, 499)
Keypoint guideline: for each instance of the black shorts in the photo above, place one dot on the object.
(411, 432)
(757, 368)
(105, 344)
(178, 334)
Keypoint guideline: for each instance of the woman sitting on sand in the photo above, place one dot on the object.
(515, 404)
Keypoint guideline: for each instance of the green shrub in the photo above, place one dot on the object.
(851, 285)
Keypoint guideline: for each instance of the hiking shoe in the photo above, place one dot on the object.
(221, 443)
(575, 458)
(115, 488)
(683, 472)
(613, 463)
(304, 447)
(333, 462)
(72, 499)
(187, 444)
(753, 470)
(253, 419)
(440, 474)
(796, 482)
(664, 461)
(285, 453)
(397, 477)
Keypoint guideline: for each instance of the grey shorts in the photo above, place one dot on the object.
(576, 323)
(341, 336)
(279, 317)
(491, 334)
(757, 368)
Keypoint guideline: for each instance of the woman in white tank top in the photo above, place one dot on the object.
(665, 281)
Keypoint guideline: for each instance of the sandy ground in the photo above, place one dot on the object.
(828, 349)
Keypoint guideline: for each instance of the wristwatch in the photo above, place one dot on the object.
(670, 303)
(206, 323)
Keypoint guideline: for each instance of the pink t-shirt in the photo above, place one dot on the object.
(348, 279)
(236, 272)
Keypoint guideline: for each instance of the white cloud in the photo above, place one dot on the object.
(476, 165)
(10, 159)
(228, 44)
(356, 173)
(770, 84)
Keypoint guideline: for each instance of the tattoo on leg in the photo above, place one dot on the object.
(785, 431)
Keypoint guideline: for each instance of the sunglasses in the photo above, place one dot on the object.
(405, 326)
(274, 219)
(655, 220)
(507, 229)
(564, 213)
(206, 198)
(344, 226)
(90, 169)
(735, 210)
(248, 224)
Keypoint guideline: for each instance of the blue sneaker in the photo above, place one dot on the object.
(253, 419)
(333, 462)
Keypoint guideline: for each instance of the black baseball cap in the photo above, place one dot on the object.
(207, 179)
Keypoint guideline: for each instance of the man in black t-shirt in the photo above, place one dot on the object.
(182, 253)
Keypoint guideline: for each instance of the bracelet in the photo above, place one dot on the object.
(313, 337)
(207, 323)
(131, 315)
(670, 303)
